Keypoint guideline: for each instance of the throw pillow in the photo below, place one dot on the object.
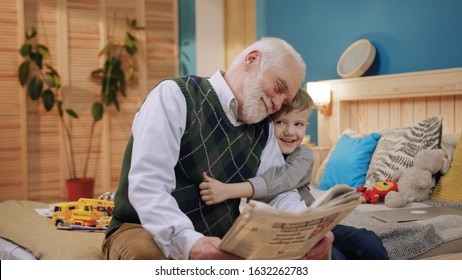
(322, 168)
(349, 161)
(448, 145)
(398, 146)
(449, 187)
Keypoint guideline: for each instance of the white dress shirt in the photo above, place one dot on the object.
(157, 130)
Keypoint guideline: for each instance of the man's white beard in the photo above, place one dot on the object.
(253, 111)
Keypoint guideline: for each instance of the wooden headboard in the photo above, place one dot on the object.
(369, 104)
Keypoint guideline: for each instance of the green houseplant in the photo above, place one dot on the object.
(119, 59)
(43, 84)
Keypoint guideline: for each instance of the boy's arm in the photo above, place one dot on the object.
(294, 174)
(214, 191)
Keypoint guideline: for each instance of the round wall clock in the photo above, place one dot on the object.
(356, 59)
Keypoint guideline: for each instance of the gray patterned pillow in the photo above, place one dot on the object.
(397, 148)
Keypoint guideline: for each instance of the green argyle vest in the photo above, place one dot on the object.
(209, 144)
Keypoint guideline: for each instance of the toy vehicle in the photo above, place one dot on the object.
(84, 212)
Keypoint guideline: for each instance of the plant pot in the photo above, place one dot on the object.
(80, 188)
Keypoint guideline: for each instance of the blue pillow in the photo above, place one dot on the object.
(349, 161)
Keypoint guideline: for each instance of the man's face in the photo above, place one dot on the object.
(289, 129)
(265, 90)
(256, 104)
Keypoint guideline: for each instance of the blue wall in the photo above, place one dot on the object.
(187, 36)
(409, 35)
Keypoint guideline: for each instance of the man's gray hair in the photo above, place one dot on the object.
(274, 52)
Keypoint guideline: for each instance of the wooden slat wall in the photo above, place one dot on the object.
(240, 27)
(370, 104)
(33, 164)
(13, 144)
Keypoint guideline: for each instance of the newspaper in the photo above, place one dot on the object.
(264, 232)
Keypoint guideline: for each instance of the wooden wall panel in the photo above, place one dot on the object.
(374, 103)
(85, 40)
(43, 129)
(13, 147)
(240, 27)
(161, 41)
(32, 153)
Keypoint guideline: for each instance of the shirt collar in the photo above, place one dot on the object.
(226, 96)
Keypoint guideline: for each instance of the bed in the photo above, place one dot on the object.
(26, 235)
(362, 105)
(412, 110)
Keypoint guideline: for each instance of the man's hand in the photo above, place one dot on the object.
(322, 250)
(206, 248)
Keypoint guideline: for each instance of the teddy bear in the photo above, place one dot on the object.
(415, 182)
(378, 192)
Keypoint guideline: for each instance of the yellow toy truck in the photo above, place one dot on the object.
(84, 212)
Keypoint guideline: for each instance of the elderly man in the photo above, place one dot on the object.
(190, 125)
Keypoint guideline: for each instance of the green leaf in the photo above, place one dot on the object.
(31, 32)
(24, 72)
(52, 77)
(37, 59)
(34, 87)
(122, 84)
(51, 69)
(131, 49)
(97, 74)
(116, 103)
(131, 44)
(130, 37)
(25, 49)
(97, 111)
(42, 50)
(48, 99)
(72, 113)
(133, 23)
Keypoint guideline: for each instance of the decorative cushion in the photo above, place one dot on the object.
(449, 186)
(349, 161)
(322, 168)
(448, 145)
(397, 148)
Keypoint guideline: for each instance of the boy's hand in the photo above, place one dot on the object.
(213, 191)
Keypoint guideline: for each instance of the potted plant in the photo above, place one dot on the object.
(43, 84)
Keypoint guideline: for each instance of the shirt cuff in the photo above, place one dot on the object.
(182, 244)
(260, 188)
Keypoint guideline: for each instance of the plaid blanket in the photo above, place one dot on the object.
(410, 239)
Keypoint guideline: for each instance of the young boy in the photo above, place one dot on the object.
(290, 124)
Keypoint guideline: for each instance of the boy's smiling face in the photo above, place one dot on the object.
(289, 129)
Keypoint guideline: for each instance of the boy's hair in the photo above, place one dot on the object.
(301, 101)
